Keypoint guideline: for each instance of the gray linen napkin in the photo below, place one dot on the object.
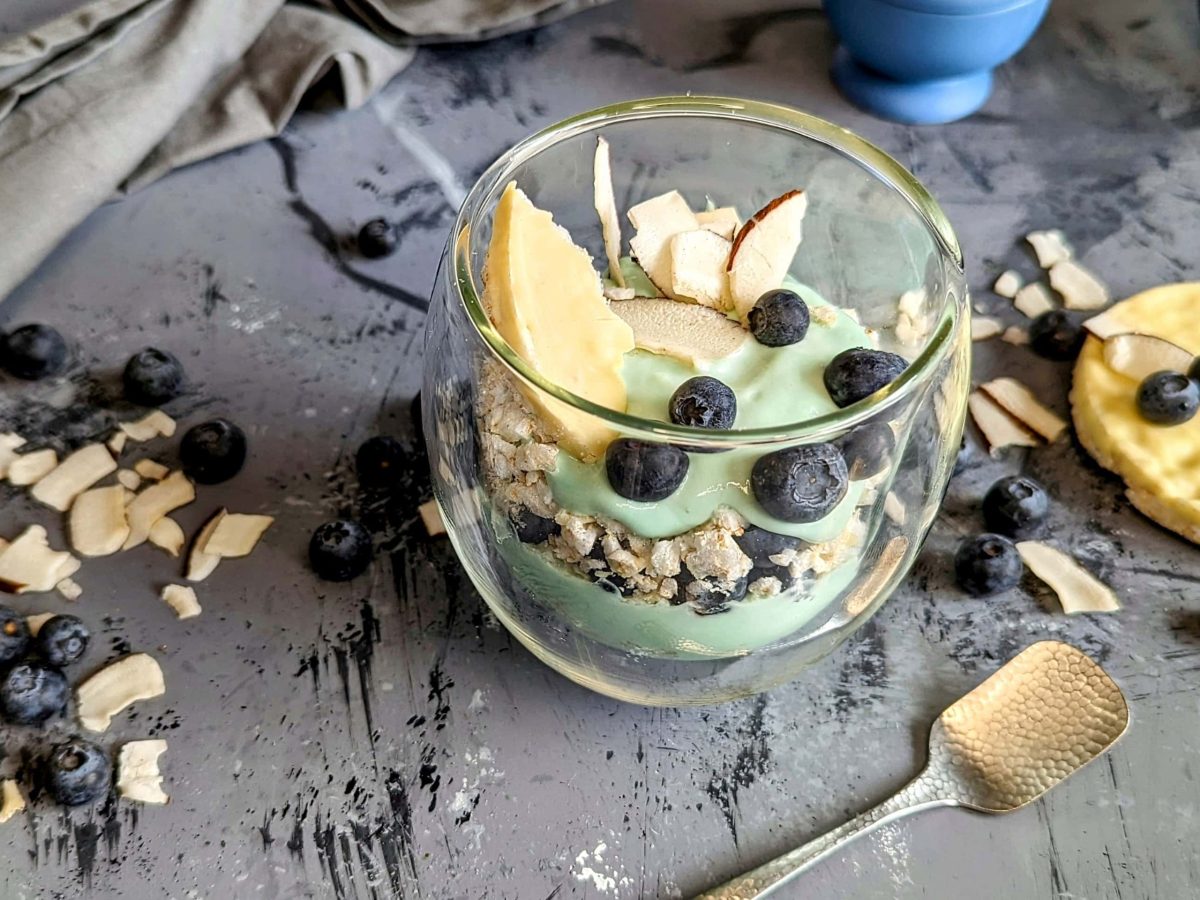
(110, 97)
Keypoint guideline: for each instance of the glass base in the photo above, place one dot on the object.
(914, 102)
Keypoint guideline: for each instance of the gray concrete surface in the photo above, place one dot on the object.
(382, 739)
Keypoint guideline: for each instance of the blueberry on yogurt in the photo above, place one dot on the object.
(760, 545)
(779, 318)
(703, 402)
(800, 484)
(867, 449)
(643, 470)
(858, 373)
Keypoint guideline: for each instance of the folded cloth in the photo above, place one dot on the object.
(109, 98)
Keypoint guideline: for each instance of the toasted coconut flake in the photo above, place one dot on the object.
(152, 425)
(69, 589)
(999, 429)
(30, 468)
(166, 534)
(1033, 299)
(1015, 335)
(764, 248)
(99, 698)
(1008, 284)
(13, 801)
(1020, 402)
(698, 268)
(182, 599)
(1078, 590)
(694, 334)
(29, 565)
(155, 502)
(984, 328)
(657, 220)
(116, 443)
(129, 479)
(151, 470)
(606, 209)
(138, 777)
(1050, 247)
(9, 442)
(1079, 287)
(1139, 355)
(1106, 325)
(723, 221)
(73, 476)
(200, 564)
(431, 517)
(37, 620)
(97, 521)
(236, 535)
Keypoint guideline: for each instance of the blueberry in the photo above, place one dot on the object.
(14, 635)
(340, 550)
(867, 449)
(703, 402)
(1194, 369)
(987, 564)
(1056, 335)
(713, 598)
(32, 352)
(1168, 398)
(532, 528)
(800, 484)
(779, 318)
(644, 471)
(380, 461)
(213, 452)
(62, 640)
(152, 377)
(1015, 506)
(77, 772)
(377, 238)
(858, 373)
(760, 545)
(682, 580)
(783, 573)
(614, 583)
(31, 693)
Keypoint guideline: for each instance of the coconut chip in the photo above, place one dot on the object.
(606, 209)
(30, 468)
(69, 589)
(1018, 401)
(1007, 284)
(723, 221)
(1015, 335)
(764, 248)
(97, 523)
(99, 698)
(984, 328)
(200, 564)
(999, 428)
(167, 535)
(116, 443)
(1078, 590)
(152, 425)
(9, 442)
(1050, 247)
(1033, 300)
(657, 220)
(13, 801)
(1106, 324)
(236, 535)
(432, 518)
(138, 778)
(28, 564)
(1139, 355)
(129, 479)
(694, 334)
(155, 502)
(698, 267)
(182, 599)
(1079, 287)
(149, 469)
(35, 622)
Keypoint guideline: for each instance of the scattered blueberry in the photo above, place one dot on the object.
(532, 528)
(711, 598)
(152, 377)
(379, 461)
(31, 693)
(212, 452)
(800, 484)
(77, 772)
(760, 545)
(703, 402)
(779, 318)
(867, 449)
(987, 564)
(1168, 398)
(32, 352)
(14, 635)
(1015, 506)
(62, 640)
(376, 239)
(1056, 335)
(644, 471)
(340, 550)
(858, 373)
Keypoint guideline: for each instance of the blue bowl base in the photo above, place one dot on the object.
(914, 102)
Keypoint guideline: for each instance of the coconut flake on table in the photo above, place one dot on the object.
(9, 442)
(153, 424)
(1079, 287)
(29, 564)
(1008, 284)
(1078, 590)
(999, 429)
(151, 470)
(1050, 247)
(984, 327)
(182, 599)
(29, 468)
(1015, 335)
(1019, 402)
(1033, 299)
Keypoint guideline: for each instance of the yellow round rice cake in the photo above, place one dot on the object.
(1160, 464)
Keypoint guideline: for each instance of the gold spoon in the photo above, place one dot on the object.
(1045, 715)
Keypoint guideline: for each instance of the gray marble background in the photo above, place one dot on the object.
(383, 739)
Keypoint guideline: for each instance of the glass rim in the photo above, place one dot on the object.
(780, 117)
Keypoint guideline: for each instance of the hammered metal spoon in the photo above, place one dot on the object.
(1046, 714)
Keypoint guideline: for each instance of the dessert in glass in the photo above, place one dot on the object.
(696, 374)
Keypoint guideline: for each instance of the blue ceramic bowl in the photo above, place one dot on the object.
(925, 61)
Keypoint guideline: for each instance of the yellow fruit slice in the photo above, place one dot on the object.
(545, 298)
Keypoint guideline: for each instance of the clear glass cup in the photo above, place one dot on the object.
(871, 234)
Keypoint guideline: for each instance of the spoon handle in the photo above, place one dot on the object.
(917, 795)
